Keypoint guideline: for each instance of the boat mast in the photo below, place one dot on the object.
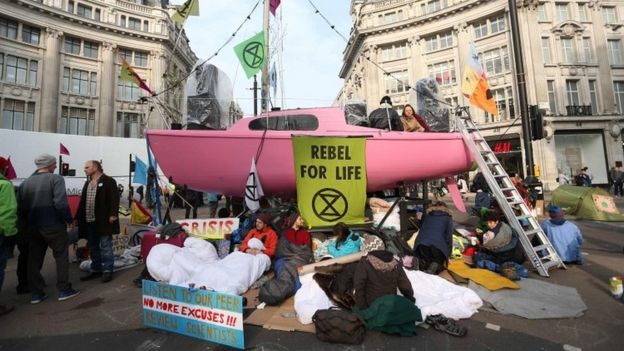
(264, 92)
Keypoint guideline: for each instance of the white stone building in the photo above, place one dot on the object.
(574, 64)
(59, 67)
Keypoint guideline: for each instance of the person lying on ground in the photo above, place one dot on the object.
(346, 241)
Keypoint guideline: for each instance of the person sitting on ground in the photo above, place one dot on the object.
(500, 250)
(410, 121)
(376, 280)
(435, 239)
(296, 232)
(564, 235)
(264, 233)
(345, 243)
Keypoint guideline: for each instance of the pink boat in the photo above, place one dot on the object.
(219, 160)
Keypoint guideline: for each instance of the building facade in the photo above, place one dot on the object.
(59, 66)
(573, 52)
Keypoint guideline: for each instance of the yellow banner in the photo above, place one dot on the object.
(331, 179)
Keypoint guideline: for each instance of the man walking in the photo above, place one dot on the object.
(43, 206)
(8, 222)
(97, 218)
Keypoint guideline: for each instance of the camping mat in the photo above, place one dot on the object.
(281, 317)
(535, 300)
(488, 279)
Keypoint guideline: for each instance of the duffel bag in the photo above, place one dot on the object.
(339, 326)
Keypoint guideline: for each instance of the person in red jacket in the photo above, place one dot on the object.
(264, 233)
(296, 232)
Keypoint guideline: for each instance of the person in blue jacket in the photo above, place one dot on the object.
(435, 239)
(346, 242)
(564, 235)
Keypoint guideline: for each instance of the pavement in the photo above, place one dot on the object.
(109, 316)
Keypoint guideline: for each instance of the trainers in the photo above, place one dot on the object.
(510, 272)
(67, 294)
(36, 298)
(89, 275)
(107, 277)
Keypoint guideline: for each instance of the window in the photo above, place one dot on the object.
(8, 28)
(593, 96)
(140, 59)
(480, 30)
(128, 124)
(125, 54)
(79, 82)
(563, 12)
(582, 12)
(608, 15)
(588, 52)
(97, 15)
(618, 88)
(128, 91)
(446, 40)
(497, 25)
(1, 66)
(495, 61)
(542, 15)
(431, 44)
(546, 50)
(295, 122)
(70, 6)
(91, 49)
(134, 23)
(30, 35)
(396, 82)
(444, 72)
(77, 121)
(122, 21)
(394, 52)
(436, 5)
(84, 11)
(615, 52)
(572, 92)
(18, 115)
(504, 104)
(552, 96)
(20, 70)
(568, 54)
(72, 45)
(146, 26)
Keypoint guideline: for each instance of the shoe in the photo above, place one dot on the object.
(433, 268)
(107, 277)
(509, 271)
(4, 309)
(441, 323)
(67, 294)
(89, 275)
(36, 298)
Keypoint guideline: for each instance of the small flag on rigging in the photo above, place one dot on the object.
(251, 54)
(189, 8)
(63, 149)
(474, 84)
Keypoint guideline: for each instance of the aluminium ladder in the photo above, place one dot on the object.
(534, 241)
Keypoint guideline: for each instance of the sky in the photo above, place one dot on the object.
(312, 52)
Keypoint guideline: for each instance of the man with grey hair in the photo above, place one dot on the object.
(98, 220)
(43, 206)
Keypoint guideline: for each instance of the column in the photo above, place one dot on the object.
(537, 90)
(106, 116)
(375, 90)
(417, 66)
(50, 82)
(604, 66)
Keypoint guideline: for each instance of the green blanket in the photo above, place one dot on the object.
(391, 314)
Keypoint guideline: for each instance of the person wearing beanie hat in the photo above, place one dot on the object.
(43, 206)
(45, 161)
(564, 235)
(264, 233)
(296, 233)
(8, 223)
(385, 117)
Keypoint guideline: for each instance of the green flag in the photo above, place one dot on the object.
(331, 179)
(189, 8)
(252, 54)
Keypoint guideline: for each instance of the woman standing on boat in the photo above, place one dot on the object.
(410, 121)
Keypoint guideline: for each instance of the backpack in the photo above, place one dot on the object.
(339, 326)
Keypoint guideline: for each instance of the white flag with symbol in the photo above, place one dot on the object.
(253, 189)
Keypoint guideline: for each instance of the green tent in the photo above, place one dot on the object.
(586, 203)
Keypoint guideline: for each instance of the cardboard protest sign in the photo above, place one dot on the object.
(331, 179)
(202, 314)
(213, 228)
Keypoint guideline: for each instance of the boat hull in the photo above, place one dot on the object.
(219, 161)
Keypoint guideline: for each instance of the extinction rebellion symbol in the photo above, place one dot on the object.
(251, 189)
(329, 204)
(253, 54)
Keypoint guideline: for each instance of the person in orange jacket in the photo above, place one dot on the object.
(264, 233)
